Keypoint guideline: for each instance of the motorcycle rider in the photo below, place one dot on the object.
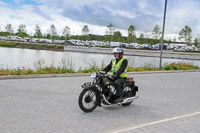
(118, 66)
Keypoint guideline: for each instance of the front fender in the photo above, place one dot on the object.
(90, 86)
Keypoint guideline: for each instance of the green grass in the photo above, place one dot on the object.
(13, 44)
(65, 69)
(7, 44)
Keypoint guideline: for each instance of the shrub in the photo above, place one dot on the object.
(29, 71)
(129, 69)
(138, 69)
(180, 66)
(67, 67)
(5, 72)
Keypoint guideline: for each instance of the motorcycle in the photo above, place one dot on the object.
(102, 91)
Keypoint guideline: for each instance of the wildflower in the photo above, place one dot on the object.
(172, 63)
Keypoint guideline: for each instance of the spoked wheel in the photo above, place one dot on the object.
(87, 100)
(127, 92)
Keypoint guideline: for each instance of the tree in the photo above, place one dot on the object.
(1, 32)
(185, 34)
(38, 33)
(147, 34)
(131, 30)
(197, 41)
(9, 28)
(53, 32)
(117, 36)
(21, 30)
(156, 32)
(169, 41)
(174, 40)
(85, 30)
(111, 29)
(131, 34)
(48, 36)
(66, 32)
(141, 38)
(109, 32)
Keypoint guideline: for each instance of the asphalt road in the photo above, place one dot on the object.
(168, 102)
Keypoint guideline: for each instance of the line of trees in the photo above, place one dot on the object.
(110, 34)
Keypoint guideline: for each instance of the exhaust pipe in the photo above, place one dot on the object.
(106, 100)
(129, 99)
(124, 101)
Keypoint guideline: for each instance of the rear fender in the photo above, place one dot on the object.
(136, 88)
(132, 85)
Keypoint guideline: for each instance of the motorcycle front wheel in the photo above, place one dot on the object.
(87, 100)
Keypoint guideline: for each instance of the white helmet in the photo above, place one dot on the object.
(118, 50)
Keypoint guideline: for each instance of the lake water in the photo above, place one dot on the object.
(15, 57)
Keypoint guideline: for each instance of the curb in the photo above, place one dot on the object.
(83, 74)
(154, 72)
(42, 76)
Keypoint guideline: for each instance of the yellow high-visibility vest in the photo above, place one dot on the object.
(115, 67)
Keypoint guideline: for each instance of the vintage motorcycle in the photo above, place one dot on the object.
(102, 91)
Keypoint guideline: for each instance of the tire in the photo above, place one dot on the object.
(128, 93)
(87, 100)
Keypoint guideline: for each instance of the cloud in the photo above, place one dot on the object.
(97, 14)
(18, 1)
(3, 3)
(181, 13)
(121, 13)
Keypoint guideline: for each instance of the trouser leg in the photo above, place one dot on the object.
(117, 84)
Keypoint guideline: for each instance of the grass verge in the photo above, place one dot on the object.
(13, 44)
(65, 69)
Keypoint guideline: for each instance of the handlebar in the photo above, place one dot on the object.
(103, 73)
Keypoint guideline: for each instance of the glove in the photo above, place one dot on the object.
(114, 77)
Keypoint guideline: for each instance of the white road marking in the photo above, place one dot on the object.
(155, 122)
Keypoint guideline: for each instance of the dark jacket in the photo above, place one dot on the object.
(121, 69)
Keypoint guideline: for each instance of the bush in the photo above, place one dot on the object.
(41, 68)
(180, 66)
(129, 69)
(5, 72)
(29, 71)
(90, 70)
(138, 69)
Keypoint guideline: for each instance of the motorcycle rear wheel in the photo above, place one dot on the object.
(127, 90)
(87, 100)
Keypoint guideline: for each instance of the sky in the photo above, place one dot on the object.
(97, 14)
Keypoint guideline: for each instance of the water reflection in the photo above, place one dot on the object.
(14, 57)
